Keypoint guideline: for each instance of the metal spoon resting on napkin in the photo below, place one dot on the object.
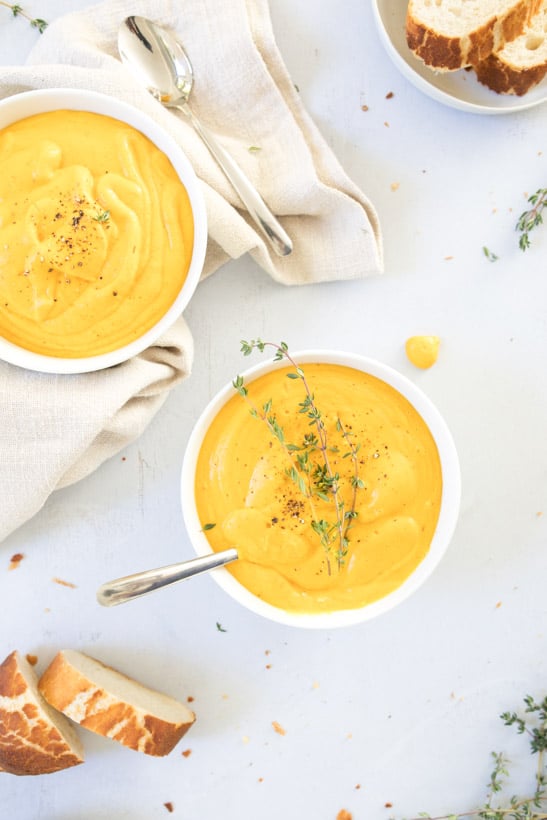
(163, 66)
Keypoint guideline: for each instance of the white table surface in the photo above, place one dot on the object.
(402, 710)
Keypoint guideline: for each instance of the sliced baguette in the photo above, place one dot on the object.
(34, 739)
(522, 64)
(111, 704)
(452, 34)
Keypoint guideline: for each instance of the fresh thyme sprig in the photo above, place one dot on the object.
(18, 11)
(532, 218)
(515, 808)
(314, 479)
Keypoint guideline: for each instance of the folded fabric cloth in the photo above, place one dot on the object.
(57, 429)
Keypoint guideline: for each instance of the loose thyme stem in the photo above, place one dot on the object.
(18, 11)
(529, 808)
(533, 218)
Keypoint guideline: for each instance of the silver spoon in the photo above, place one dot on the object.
(141, 583)
(163, 65)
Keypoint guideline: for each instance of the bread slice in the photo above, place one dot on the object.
(521, 64)
(34, 739)
(109, 703)
(452, 34)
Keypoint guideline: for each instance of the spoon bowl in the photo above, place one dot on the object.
(163, 66)
(158, 58)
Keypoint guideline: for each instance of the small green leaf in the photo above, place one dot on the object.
(102, 216)
(492, 257)
(40, 24)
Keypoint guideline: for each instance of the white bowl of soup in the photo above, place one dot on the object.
(103, 231)
(322, 542)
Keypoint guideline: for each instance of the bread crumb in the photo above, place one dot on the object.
(32, 659)
(498, 604)
(169, 807)
(390, 95)
(64, 583)
(16, 560)
(539, 514)
(395, 186)
(364, 108)
(344, 814)
(357, 786)
(261, 780)
(187, 753)
(267, 651)
(268, 666)
(386, 124)
(388, 805)
(448, 258)
(278, 728)
(190, 699)
(315, 685)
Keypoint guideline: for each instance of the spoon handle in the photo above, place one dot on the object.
(252, 200)
(141, 583)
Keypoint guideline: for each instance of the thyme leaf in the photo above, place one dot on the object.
(311, 465)
(532, 218)
(102, 216)
(492, 257)
(18, 11)
(533, 724)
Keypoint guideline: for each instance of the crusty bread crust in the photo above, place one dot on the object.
(94, 706)
(445, 53)
(32, 741)
(505, 79)
(522, 64)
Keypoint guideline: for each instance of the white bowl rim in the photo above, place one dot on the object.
(450, 501)
(36, 101)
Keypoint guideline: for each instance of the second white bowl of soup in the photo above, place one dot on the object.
(335, 478)
(103, 230)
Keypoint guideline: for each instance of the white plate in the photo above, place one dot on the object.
(459, 89)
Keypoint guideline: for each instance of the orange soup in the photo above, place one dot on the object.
(96, 234)
(258, 491)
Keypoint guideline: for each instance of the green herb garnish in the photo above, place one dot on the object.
(492, 257)
(310, 463)
(533, 724)
(18, 11)
(103, 216)
(533, 218)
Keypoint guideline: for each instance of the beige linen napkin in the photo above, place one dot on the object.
(55, 430)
